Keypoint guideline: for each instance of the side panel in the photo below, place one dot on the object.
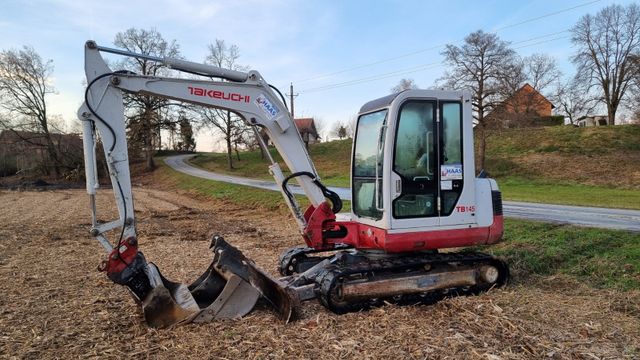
(364, 236)
(484, 213)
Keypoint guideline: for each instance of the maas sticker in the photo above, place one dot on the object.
(451, 172)
(269, 109)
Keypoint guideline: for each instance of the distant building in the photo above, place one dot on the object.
(528, 100)
(308, 131)
(524, 108)
(592, 120)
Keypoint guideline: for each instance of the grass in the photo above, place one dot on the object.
(545, 191)
(601, 258)
(240, 195)
(250, 164)
(565, 140)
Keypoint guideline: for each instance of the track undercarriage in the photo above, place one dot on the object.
(350, 280)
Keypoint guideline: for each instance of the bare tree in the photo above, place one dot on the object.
(604, 43)
(340, 130)
(320, 125)
(521, 104)
(633, 106)
(229, 124)
(351, 126)
(404, 84)
(147, 115)
(25, 81)
(541, 71)
(573, 99)
(478, 66)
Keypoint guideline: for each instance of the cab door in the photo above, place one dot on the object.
(414, 171)
(426, 169)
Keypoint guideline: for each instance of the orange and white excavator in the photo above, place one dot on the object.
(414, 193)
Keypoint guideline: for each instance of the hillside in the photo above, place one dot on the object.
(567, 165)
(605, 156)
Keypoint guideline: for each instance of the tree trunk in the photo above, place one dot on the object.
(149, 160)
(228, 139)
(53, 156)
(229, 155)
(159, 137)
(148, 139)
(51, 149)
(611, 115)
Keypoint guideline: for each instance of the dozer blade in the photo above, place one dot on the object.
(229, 289)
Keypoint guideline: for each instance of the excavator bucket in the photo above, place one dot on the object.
(228, 289)
(229, 262)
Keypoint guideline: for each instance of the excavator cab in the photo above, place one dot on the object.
(413, 192)
(413, 173)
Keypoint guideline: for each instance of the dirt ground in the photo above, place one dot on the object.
(55, 304)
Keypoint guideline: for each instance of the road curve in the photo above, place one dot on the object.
(564, 214)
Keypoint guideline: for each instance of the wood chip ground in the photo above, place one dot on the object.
(54, 304)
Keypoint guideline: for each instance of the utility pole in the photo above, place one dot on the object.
(291, 96)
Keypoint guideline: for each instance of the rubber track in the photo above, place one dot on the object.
(332, 277)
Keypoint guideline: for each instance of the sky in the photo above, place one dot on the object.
(337, 54)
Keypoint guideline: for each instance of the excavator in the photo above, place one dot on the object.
(415, 198)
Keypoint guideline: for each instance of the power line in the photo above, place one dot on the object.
(375, 77)
(371, 64)
(423, 67)
(547, 15)
(540, 37)
(441, 45)
(542, 42)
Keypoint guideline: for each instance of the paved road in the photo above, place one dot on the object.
(575, 215)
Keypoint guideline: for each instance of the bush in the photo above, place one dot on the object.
(8, 166)
(557, 120)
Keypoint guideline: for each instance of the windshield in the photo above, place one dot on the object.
(369, 149)
(366, 147)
